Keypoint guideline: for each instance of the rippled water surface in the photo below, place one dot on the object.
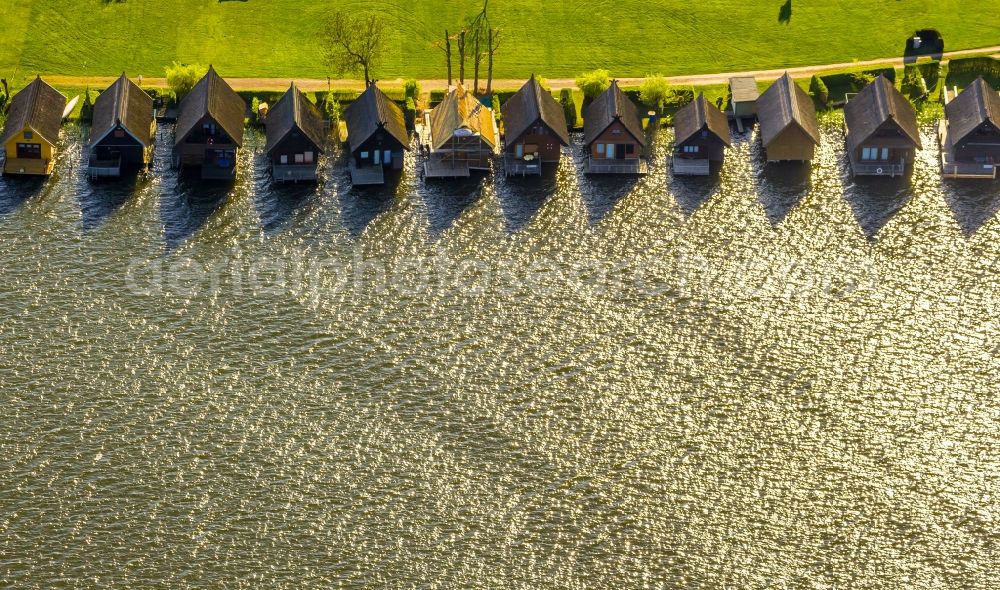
(775, 378)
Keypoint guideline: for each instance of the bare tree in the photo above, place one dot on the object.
(355, 43)
(461, 57)
(479, 29)
(492, 46)
(445, 47)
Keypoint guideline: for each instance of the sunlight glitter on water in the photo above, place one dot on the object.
(772, 379)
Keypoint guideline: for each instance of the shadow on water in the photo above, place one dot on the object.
(521, 198)
(187, 206)
(972, 202)
(781, 187)
(99, 200)
(692, 192)
(875, 200)
(361, 205)
(446, 199)
(277, 203)
(602, 192)
(16, 191)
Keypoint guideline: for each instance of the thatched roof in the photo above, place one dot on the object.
(126, 104)
(607, 108)
(876, 104)
(700, 115)
(461, 110)
(743, 89)
(530, 104)
(214, 98)
(371, 111)
(978, 104)
(38, 107)
(294, 113)
(785, 104)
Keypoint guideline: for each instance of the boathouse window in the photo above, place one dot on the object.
(885, 153)
(309, 157)
(300, 158)
(32, 151)
(119, 133)
(364, 155)
(600, 149)
(869, 153)
(284, 158)
(519, 150)
(690, 149)
(29, 134)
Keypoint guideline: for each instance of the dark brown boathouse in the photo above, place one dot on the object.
(882, 132)
(295, 137)
(376, 135)
(701, 137)
(789, 130)
(534, 130)
(613, 134)
(209, 128)
(123, 130)
(970, 133)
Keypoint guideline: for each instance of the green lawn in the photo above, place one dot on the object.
(557, 38)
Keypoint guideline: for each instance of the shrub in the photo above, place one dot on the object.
(255, 110)
(544, 83)
(569, 106)
(331, 107)
(913, 83)
(819, 91)
(411, 89)
(593, 83)
(181, 78)
(655, 92)
(861, 79)
(87, 108)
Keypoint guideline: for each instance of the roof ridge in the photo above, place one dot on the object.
(33, 93)
(295, 106)
(788, 98)
(985, 105)
(122, 98)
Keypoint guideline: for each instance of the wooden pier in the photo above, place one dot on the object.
(691, 166)
(366, 176)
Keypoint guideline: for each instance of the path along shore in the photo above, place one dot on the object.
(320, 85)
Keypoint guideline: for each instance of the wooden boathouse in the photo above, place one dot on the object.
(32, 130)
(613, 135)
(789, 130)
(743, 95)
(701, 136)
(460, 135)
(295, 137)
(535, 130)
(970, 133)
(882, 132)
(209, 129)
(122, 131)
(376, 136)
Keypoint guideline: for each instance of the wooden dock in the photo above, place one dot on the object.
(446, 169)
(691, 166)
(367, 176)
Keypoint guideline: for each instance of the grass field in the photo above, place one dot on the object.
(556, 38)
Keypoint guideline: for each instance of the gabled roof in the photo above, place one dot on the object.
(213, 97)
(38, 107)
(697, 115)
(743, 89)
(977, 104)
(607, 108)
(529, 104)
(294, 111)
(370, 112)
(126, 104)
(461, 110)
(785, 104)
(876, 104)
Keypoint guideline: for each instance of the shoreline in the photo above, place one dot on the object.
(320, 85)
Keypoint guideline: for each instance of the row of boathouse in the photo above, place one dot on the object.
(460, 135)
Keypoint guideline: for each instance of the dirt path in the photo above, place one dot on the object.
(316, 85)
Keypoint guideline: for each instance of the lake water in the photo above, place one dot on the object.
(776, 378)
